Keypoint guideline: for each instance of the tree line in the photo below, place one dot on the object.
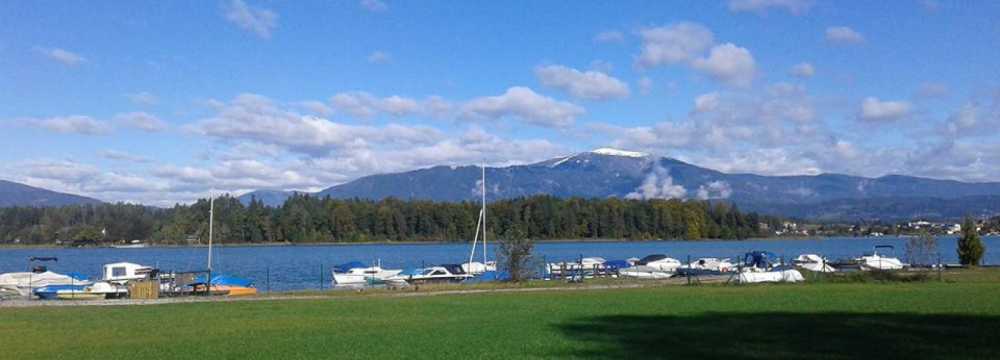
(308, 219)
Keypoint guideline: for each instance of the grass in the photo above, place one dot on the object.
(956, 318)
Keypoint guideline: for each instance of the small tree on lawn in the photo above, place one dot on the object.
(515, 253)
(970, 246)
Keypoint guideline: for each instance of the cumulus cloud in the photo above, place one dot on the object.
(123, 156)
(706, 102)
(803, 70)
(714, 190)
(257, 118)
(873, 109)
(673, 44)
(729, 64)
(843, 35)
(63, 56)
(794, 7)
(143, 98)
(142, 121)
(253, 19)
(316, 107)
(379, 57)
(591, 85)
(374, 5)
(658, 185)
(360, 104)
(73, 124)
(610, 36)
(524, 104)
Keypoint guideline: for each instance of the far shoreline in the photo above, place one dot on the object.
(438, 242)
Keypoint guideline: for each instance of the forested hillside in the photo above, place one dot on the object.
(306, 219)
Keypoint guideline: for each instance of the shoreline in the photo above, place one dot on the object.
(549, 241)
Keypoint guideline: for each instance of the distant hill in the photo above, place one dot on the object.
(272, 198)
(16, 194)
(614, 173)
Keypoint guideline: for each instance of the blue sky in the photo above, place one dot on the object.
(163, 102)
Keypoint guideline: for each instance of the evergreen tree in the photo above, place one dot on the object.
(970, 245)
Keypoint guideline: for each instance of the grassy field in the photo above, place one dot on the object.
(958, 318)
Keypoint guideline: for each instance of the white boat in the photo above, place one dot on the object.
(362, 275)
(134, 244)
(433, 274)
(759, 267)
(706, 266)
(661, 262)
(875, 261)
(123, 272)
(814, 263)
(477, 268)
(584, 264)
(644, 272)
(24, 282)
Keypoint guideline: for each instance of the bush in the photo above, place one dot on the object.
(970, 245)
(515, 253)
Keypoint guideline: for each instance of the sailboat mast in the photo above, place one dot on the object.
(211, 220)
(483, 211)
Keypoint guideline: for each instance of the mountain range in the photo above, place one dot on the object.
(616, 173)
(16, 194)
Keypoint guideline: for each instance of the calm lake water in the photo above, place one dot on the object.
(301, 267)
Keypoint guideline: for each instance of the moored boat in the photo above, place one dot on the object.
(356, 273)
(875, 261)
(814, 263)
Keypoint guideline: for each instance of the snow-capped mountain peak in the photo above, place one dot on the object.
(616, 152)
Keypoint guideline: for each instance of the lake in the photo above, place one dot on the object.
(307, 267)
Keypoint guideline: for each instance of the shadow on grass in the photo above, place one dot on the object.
(786, 335)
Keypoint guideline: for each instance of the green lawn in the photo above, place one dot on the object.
(930, 320)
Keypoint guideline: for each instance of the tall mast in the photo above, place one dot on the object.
(484, 214)
(211, 220)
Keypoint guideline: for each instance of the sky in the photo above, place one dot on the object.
(165, 102)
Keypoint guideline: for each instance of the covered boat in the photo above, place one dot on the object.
(706, 266)
(814, 263)
(763, 266)
(226, 285)
(644, 272)
(433, 274)
(24, 282)
(661, 262)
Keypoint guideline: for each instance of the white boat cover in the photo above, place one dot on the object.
(791, 276)
(644, 272)
(814, 263)
(22, 281)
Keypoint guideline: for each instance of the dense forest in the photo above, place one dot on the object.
(305, 219)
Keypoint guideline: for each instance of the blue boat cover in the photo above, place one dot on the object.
(342, 268)
(616, 264)
(225, 280)
(77, 276)
(760, 259)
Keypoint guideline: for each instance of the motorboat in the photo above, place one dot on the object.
(585, 264)
(24, 282)
(706, 266)
(123, 272)
(225, 285)
(644, 272)
(134, 244)
(96, 291)
(762, 266)
(814, 263)
(875, 261)
(661, 262)
(356, 273)
(434, 274)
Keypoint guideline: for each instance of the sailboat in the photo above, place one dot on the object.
(473, 267)
(218, 283)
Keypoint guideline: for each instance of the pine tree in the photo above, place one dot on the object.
(970, 245)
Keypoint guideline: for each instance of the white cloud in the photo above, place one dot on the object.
(803, 70)
(706, 102)
(729, 64)
(795, 7)
(360, 104)
(592, 85)
(714, 190)
(123, 156)
(379, 57)
(610, 36)
(525, 104)
(843, 35)
(658, 185)
(399, 106)
(63, 56)
(143, 98)
(873, 109)
(374, 5)
(672, 44)
(73, 124)
(142, 121)
(256, 20)
(316, 107)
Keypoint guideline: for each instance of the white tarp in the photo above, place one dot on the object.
(791, 276)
